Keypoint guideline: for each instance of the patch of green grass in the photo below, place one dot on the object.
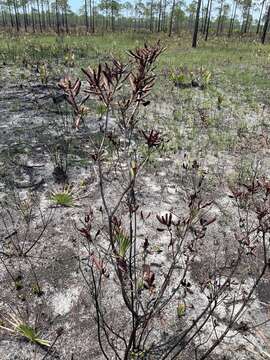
(235, 64)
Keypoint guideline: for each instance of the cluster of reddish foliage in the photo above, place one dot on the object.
(153, 138)
(104, 81)
(254, 198)
(71, 92)
(107, 80)
(142, 81)
(148, 278)
(86, 229)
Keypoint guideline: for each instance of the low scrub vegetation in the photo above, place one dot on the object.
(134, 201)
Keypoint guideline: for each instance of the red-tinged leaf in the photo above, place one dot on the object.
(145, 244)
(122, 264)
(210, 221)
(77, 87)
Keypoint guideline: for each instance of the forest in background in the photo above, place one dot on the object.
(245, 18)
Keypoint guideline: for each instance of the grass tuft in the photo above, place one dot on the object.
(63, 197)
(15, 325)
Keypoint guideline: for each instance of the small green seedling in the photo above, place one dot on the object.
(101, 110)
(181, 310)
(36, 290)
(18, 285)
(138, 355)
(157, 249)
(18, 282)
(43, 74)
(69, 59)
